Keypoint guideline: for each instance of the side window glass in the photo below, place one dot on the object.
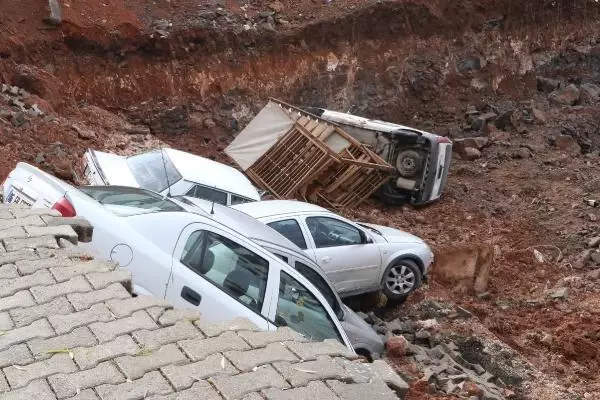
(320, 284)
(234, 269)
(299, 309)
(291, 230)
(239, 200)
(331, 232)
(206, 193)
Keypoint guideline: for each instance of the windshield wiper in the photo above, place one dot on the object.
(371, 229)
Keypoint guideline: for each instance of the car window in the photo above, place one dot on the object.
(149, 169)
(235, 199)
(291, 230)
(234, 269)
(125, 201)
(331, 232)
(320, 283)
(299, 309)
(207, 193)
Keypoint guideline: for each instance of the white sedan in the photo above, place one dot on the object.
(357, 257)
(187, 258)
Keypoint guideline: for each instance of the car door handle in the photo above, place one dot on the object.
(190, 296)
(326, 259)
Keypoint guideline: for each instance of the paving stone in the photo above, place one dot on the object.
(63, 273)
(66, 385)
(18, 300)
(123, 308)
(66, 323)
(236, 324)
(18, 354)
(199, 349)
(234, 387)
(106, 331)
(38, 390)
(15, 256)
(314, 391)
(91, 356)
(25, 316)
(14, 244)
(63, 231)
(170, 317)
(80, 225)
(301, 374)
(135, 367)
(59, 363)
(253, 396)
(199, 391)
(30, 220)
(155, 312)
(100, 280)
(11, 286)
(42, 294)
(8, 271)
(27, 267)
(171, 334)
(32, 215)
(87, 394)
(79, 337)
(263, 338)
(360, 391)
(247, 360)
(3, 384)
(14, 232)
(6, 323)
(183, 376)
(82, 301)
(153, 383)
(311, 350)
(39, 329)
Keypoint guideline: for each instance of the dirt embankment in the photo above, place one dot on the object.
(123, 75)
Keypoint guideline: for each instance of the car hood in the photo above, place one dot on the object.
(393, 235)
(361, 334)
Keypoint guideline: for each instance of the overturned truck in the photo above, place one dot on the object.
(339, 159)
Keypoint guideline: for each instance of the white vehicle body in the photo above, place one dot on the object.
(362, 336)
(171, 171)
(187, 258)
(358, 258)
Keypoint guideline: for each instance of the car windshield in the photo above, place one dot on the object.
(151, 170)
(124, 201)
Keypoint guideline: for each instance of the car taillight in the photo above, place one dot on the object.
(64, 207)
(442, 139)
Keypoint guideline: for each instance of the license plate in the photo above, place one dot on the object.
(16, 197)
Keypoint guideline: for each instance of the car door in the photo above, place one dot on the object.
(222, 275)
(346, 253)
(300, 306)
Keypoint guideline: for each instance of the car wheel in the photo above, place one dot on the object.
(409, 163)
(389, 194)
(400, 279)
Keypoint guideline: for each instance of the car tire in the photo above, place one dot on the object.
(389, 194)
(400, 279)
(409, 163)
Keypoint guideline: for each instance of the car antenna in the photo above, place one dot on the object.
(212, 206)
(162, 155)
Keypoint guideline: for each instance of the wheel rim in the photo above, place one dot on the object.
(400, 279)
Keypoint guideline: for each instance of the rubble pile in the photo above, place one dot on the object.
(18, 107)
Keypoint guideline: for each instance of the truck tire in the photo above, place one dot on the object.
(409, 163)
(389, 194)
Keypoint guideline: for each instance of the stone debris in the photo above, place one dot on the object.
(89, 336)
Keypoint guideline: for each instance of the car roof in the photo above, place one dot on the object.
(210, 173)
(270, 208)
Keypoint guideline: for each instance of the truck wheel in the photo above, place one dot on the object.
(389, 194)
(409, 163)
(400, 279)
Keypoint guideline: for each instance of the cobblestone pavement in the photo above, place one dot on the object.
(70, 329)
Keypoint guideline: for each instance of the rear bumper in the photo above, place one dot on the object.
(435, 170)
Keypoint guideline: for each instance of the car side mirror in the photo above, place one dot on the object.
(365, 239)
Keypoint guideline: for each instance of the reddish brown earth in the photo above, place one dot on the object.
(108, 70)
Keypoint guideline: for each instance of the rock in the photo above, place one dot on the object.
(594, 242)
(561, 293)
(522, 153)
(463, 312)
(39, 82)
(276, 6)
(397, 346)
(55, 17)
(478, 142)
(267, 27)
(422, 335)
(592, 217)
(568, 96)
(590, 91)
(471, 154)
(595, 257)
(471, 63)
(83, 133)
(568, 144)
(209, 123)
(539, 115)
(594, 275)
(547, 85)
(482, 120)
(18, 119)
(547, 339)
